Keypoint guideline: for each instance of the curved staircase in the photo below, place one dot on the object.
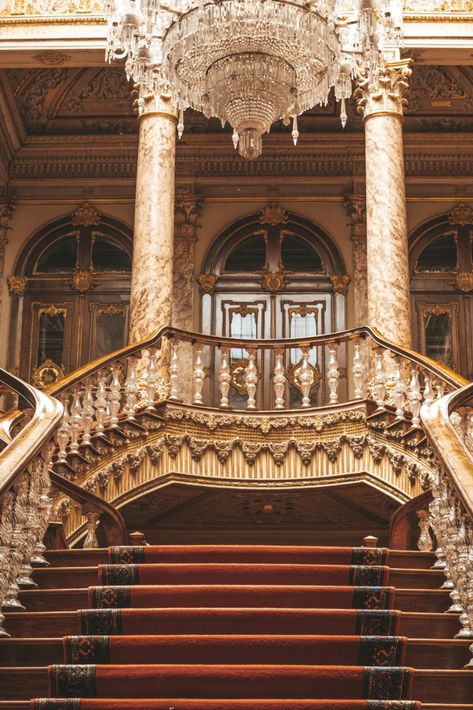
(231, 627)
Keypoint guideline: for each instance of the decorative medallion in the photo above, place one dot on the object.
(461, 214)
(47, 374)
(85, 216)
(17, 285)
(207, 282)
(294, 372)
(237, 372)
(340, 283)
(273, 281)
(463, 281)
(83, 281)
(51, 58)
(273, 214)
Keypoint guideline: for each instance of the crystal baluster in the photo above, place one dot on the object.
(429, 395)
(115, 395)
(198, 375)
(174, 371)
(251, 379)
(100, 402)
(424, 543)
(151, 380)
(399, 389)
(415, 397)
(75, 421)
(333, 374)
(279, 380)
(379, 386)
(88, 414)
(63, 433)
(306, 377)
(131, 388)
(357, 371)
(224, 377)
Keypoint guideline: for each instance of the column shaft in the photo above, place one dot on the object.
(152, 272)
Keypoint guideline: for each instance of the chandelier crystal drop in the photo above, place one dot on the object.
(252, 62)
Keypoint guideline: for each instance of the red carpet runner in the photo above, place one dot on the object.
(227, 628)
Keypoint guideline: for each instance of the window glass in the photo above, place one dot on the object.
(438, 337)
(60, 256)
(110, 332)
(298, 255)
(107, 256)
(51, 336)
(440, 255)
(249, 255)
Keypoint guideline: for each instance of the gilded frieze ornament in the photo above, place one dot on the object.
(52, 58)
(47, 374)
(461, 214)
(340, 283)
(273, 281)
(85, 216)
(17, 285)
(273, 214)
(207, 282)
(83, 281)
(464, 281)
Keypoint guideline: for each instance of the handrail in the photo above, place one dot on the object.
(112, 529)
(451, 511)
(23, 448)
(154, 340)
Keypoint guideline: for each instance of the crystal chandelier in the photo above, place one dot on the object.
(252, 62)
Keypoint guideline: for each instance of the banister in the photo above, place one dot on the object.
(112, 529)
(154, 340)
(402, 520)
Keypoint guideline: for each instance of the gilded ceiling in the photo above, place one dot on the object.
(70, 101)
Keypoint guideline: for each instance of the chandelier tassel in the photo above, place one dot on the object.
(235, 139)
(295, 132)
(343, 113)
(180, 124)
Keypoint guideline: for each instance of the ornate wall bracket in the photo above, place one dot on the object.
(340, 283)
(207, 282)
(273, 214)
(85, 216)
(17, 285)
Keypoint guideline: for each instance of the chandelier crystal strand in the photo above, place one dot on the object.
(250, 63)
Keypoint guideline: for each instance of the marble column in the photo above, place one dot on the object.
(356, 208)
(187, 211)
(153, 241)
(386, 228)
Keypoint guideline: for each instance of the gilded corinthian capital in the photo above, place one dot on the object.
(388, 96)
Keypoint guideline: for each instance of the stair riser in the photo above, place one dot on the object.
(22, 684)
(67, 600)
(425, 655)
(64, 577)
(50, 625)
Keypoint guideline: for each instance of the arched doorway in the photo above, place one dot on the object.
(272, 274)
(441, 262)
(71, 292)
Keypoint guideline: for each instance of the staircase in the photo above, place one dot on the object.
(232, 627)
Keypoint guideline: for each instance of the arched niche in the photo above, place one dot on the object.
(70, 294)
(272, 274)
(441, 265)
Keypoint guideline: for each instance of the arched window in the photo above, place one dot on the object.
(73, 304)
(269, 275)
(441, 259)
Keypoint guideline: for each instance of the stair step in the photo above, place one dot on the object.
(429, 685)
(236, 649)
(213, 553)
(63, 623)
(220, 573)
(225, 595)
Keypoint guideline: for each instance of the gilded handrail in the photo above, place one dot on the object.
(154, 340)
(27, 443)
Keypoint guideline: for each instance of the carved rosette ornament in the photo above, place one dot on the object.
(85, 216)
(340, 283)
(463, 281)
(461, 214)
(273, 214)
(207, 282)
(273, 281)
(83, 281)
(390, 95)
